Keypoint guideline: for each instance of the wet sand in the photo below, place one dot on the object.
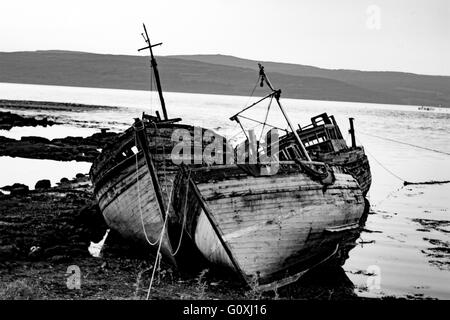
(407, 243)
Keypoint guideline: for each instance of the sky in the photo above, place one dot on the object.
(382, 35)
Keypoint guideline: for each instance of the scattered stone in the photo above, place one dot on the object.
(18, 189)
(94, 221)
(42, 184)
(34, 139)
(63, 149)
(59, 258)
(35, 252)
(48, 224)
(9, 120)
(8, 251)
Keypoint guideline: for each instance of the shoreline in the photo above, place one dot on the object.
(62, 149)
(121, 270)
(46, 230)
(49, 105)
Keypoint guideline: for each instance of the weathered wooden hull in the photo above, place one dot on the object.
(129, 205)
(354, 160)
(324, 142)
(124, 189)
(270, 227)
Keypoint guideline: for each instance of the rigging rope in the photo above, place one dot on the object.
(233, 136)
(259, 122)
(265, 119)
(251, 94)
(151, 90)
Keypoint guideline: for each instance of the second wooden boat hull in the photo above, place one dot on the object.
(272, 227)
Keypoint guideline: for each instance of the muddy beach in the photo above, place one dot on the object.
(45, 231)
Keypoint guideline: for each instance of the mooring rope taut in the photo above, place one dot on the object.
(405, 143)
(383, 166)
(405, 182)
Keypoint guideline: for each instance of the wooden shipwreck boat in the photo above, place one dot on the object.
(268, 225)
(268, 220)
(133, 177)
(324, 142)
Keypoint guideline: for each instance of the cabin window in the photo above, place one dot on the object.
(332, 134)
(291, 152)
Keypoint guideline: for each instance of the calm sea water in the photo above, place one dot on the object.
(406, 250)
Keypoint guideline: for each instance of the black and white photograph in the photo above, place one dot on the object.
(207, 150)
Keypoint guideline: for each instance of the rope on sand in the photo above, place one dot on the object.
(406, 183)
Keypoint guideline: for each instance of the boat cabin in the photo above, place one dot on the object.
(321, 135)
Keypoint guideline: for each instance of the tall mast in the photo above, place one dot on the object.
(155, 70)
(277, 98)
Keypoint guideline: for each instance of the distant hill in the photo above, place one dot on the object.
(406, 88)
(218, 74)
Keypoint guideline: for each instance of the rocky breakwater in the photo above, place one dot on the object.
(63, 149)
(9, 120)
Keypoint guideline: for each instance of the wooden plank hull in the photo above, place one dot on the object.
(126, 196)
(274, 226)
(354, 160)
(129, 206)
